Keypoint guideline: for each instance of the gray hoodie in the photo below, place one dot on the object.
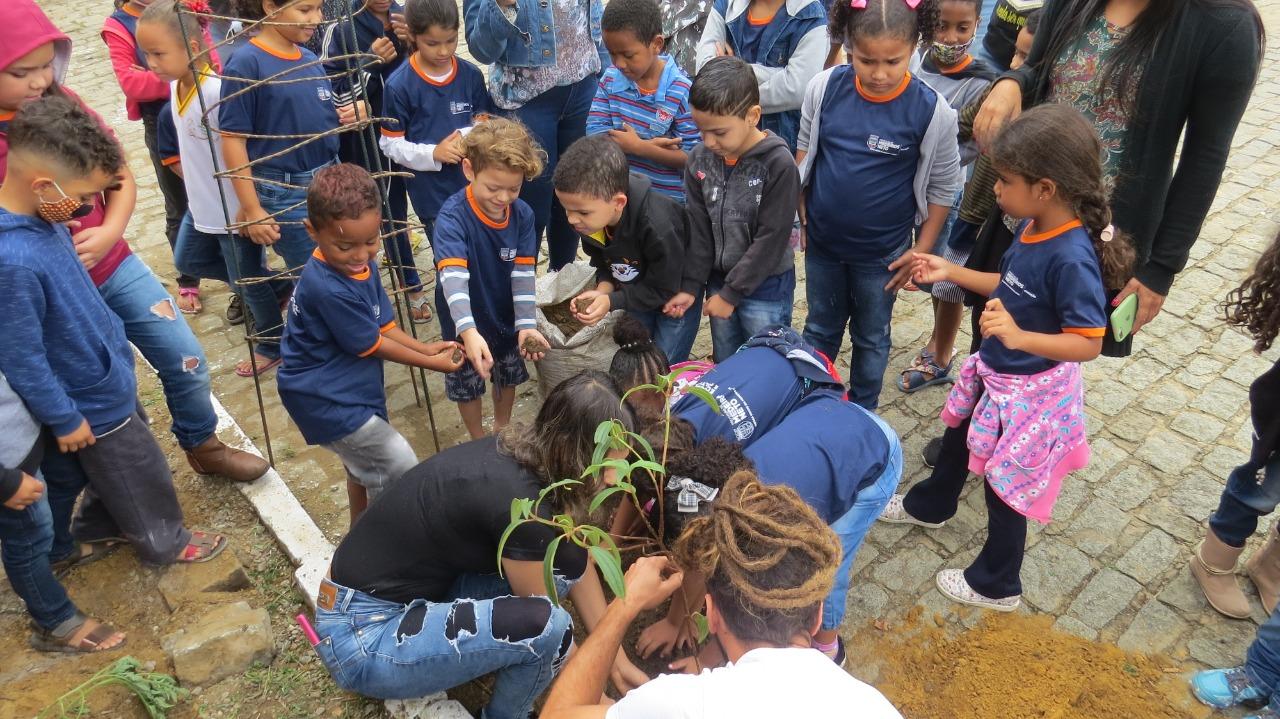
(18, 440)
(740, 217)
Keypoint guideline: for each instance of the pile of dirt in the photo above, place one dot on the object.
(1017, 666)
(562, 317)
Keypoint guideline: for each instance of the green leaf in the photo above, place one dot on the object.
(609, 492)
(604, 430)
(644, 443)
(705, 396)
(674, 374)
(563, 520)
(610, 565)
(641, 388)
(621, 466)
(548, 570)
(502, 542)
(701, 629)
(554, 486)
(521, 508)
(651, 466)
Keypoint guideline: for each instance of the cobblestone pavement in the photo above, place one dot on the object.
(1167, 424)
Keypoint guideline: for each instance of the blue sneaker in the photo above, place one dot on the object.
(1223, 688)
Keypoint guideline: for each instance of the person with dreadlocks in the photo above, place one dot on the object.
(769, 560)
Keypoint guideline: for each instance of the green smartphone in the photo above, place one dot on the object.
(1122, 318)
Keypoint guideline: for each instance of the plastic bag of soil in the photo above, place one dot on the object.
(573, 346)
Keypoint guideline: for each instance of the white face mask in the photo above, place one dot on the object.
(948, 55)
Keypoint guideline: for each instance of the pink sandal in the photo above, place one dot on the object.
(192, 294)
(248, 370)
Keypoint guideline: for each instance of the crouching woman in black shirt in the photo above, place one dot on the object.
(415, 605)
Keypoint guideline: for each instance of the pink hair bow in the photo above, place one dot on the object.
(862, 4)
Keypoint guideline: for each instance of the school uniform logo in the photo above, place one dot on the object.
(1015, 285)
(324, 94)
(625, 270)
(885, 146)
(458, 107)
(507, 254)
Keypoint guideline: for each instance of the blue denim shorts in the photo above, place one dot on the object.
(466, 385)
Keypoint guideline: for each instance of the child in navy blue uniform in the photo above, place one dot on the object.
(271, 204)
(338, 332)
(1047, 314)
(878, 157)
(485, 249)
(65, 352)
(634, 237)
(742, 187)
(784, 40)
(430, 102)
(642, 101)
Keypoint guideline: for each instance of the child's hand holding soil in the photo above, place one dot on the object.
(533, 345)
(590, 307)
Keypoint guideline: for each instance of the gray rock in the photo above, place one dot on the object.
(1183, 593)
(907, 571)
(1150, 557)
(223, 643)
(1103, 598)
(1051, 573)
(1074, 626)
(1096, 527)
(1155, 628)
(182, 583)
(1167, 453)
(1129, 488)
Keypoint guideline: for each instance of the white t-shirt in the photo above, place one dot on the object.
(182, 136)
(764, 683)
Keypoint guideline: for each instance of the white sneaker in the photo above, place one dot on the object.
(895, 513)
(952, 584)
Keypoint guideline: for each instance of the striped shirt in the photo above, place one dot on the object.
(661, 112)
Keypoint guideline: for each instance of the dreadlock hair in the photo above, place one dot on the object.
(638, 360)
(186, 20)
(768, 558)
(1055, 142)
(561, 441)
(879, 18)
(422, 15)
(57, 129)
(341, 192)
(504, 143)
(1255, 304)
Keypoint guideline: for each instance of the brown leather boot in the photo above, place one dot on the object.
(1214, 564)
(1263, 568)
(214, 457)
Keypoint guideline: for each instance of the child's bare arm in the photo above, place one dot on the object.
(1069, 346)
(392, 350)
(93, 243)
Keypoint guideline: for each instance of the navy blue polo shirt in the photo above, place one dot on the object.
(827, 449)
(1050, 282)
(329, 381)
(860, 200)
(488, 251)
(289, 108)
(424, 111)
(755, 388)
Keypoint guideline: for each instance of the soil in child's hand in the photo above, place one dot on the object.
(457, 355)
(560, 316)
(533, 346)
(583, 304)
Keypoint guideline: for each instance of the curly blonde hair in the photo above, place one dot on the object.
(500, 142)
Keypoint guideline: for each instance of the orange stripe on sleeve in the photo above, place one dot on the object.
(391, 133)
(525, 261)
(170, 160)
(372, 349)
(1086, 331)
(451, 262)
(388, 326)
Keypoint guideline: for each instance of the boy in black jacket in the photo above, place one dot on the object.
(741, 191)
(634, 237)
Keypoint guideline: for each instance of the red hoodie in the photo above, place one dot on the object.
(142, 88)
(24, 29)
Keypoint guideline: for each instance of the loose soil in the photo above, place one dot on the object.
(1016, 665)
(562, 317)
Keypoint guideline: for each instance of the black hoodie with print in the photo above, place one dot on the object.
(644, 253)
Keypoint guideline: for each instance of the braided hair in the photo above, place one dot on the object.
(879, 18)
(1255, 304)
(638, 360)
(769, 560)
(1055, 142)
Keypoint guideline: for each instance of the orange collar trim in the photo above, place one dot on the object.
(316, 253)
(966, 62)
(1031, 238)
(453, 71)
(7, 116)
(758, 21)
(129, 10)
(297, 51)
(506, 217)
(892, 95)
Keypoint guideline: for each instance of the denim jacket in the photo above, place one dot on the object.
(521, 36)
(790, 53)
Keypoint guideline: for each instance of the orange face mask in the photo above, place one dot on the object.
(63, 209)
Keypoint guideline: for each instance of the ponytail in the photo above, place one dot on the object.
(916, 23)
(1114, 249)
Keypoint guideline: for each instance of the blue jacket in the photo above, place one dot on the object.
(343, 38)
(64, 351)
(526, 39)
(789, 54)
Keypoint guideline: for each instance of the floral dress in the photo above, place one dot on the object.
(576, 58)
(1076, 80)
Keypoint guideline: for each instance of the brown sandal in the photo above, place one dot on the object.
(202, 547)
(86, 553)
(62, 638)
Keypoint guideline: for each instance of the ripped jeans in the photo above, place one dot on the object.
(153, 325)
(389, 650)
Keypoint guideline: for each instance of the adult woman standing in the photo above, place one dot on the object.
(546, 57)
(1142, 71)
(413, 603)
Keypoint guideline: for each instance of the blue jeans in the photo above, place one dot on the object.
(25, 539)
(400, 249)
(294, 245)
(1252, 491)
(673, 336)
(556, 118)
(1262, 662)
(199, 254)
(853, 526)
(749, 317)
(389, 650)
(154, 325)
(852, 294)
